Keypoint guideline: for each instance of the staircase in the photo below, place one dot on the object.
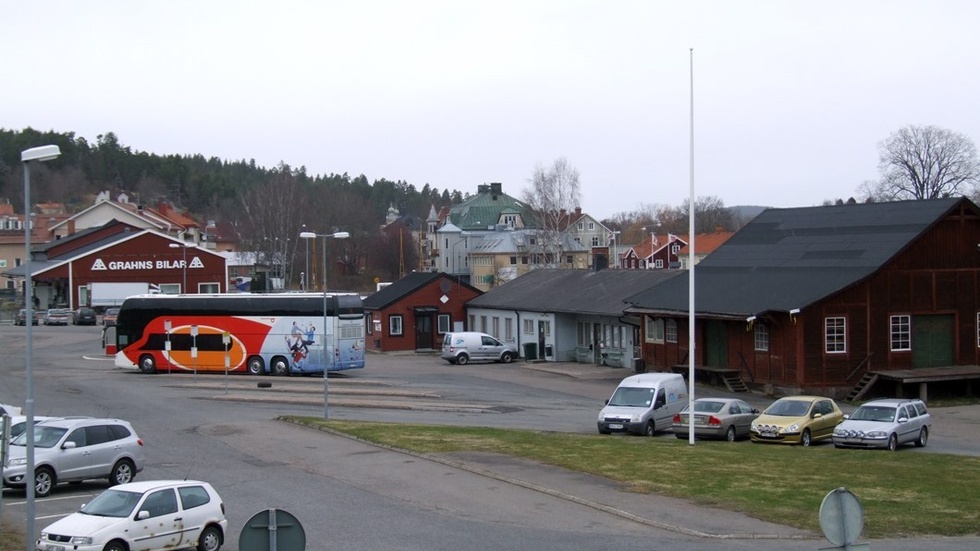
(862, 386)
(734, 382)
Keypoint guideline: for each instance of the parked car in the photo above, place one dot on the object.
(56, 316)
(463, 347)
(7, 409)
(109, 318)
(885, 424)
(76, 449)
(643, 404)
(18, 423)
(151, 516)
(22, 317)
(797, 420)
(726, 418)
(84, 316)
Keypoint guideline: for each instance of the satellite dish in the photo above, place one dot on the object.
(841, 517)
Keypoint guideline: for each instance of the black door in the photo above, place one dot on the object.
(423, 331)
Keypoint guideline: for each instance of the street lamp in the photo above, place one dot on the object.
(39, 154)
(307, 235)
(182, 246)
(302, 282)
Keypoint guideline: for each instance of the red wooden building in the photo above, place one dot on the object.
(415, 312)
(835, 299)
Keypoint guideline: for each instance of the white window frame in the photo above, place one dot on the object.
(835, 335)
(900, 332)
(396, 327)
(670, 330)
(761, 337)
(444, 323)
(654, 330)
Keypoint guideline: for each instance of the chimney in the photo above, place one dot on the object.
(71, 226)
(578, 211)
(495, 190)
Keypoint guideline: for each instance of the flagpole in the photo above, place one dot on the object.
(690, 277)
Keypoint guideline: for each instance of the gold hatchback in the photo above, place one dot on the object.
(797, 420)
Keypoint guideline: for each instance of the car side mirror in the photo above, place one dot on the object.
(817, 415)
(846, 416)
(142, 515)
(755, 410)
(69, 445)
(607, 401)
(903, 419)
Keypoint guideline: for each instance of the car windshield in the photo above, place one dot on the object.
(44, 437)
(707, 406)
(788, 408)
(632, 397)
(112, 503)
(884, 414)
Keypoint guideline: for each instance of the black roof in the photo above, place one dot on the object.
(405, 286)
(572, 291)
(790, 258)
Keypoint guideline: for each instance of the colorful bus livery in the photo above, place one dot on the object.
(255, 333)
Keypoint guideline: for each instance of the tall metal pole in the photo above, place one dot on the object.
(29, 340)
(690, 276)
(307, 272)
(185, 266)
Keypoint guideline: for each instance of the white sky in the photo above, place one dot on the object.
(791, 98)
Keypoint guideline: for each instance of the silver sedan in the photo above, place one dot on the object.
(722, 418)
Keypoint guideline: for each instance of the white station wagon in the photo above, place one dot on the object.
(885, 424)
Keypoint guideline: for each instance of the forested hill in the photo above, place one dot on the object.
(207, 187)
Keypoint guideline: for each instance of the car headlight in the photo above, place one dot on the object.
(877, 434)
(635, 418)
(795, 427)
(600, 416)
(81, 540)
(18, 461)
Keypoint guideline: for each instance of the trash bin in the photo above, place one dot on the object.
(548, 351)
(639, 366)
(530, 351)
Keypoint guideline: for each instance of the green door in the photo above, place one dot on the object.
(932, 341)
(715, 344)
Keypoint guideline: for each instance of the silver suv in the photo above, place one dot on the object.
(76, 449)
(885, 424)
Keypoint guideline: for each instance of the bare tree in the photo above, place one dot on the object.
(553, 196)
(924, 162)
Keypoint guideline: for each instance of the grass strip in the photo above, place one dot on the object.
(904, 494)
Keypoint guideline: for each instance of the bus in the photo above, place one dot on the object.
(281, 334)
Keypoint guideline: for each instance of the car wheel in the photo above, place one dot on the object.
(650, 429)
(892, 443)
(147, 365)
(279, 366)
(210, 539)
(122, 472)
(462, 359)
(256, 366)
(805, 439)
(43, 482)
(114, 546)
(506, 357)
(923, 438)
(730, 434)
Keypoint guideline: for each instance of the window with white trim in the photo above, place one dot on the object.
(395, 327)
(654, 329)
(901, 332)
(444, 323)
(835, 335)
(761, 337)
(670, 330)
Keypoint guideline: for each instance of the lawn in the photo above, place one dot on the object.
(903, 493)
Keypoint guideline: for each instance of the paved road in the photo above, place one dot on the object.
(351, 495)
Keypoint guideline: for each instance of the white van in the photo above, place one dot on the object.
(644, 404)
(469, 346)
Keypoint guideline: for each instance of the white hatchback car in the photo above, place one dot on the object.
(72, 449)
(150, 516)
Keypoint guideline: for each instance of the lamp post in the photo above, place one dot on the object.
(183, 289)
(302, 283)
(307, 236)
(39, 154)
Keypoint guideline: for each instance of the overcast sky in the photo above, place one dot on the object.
(790, 98)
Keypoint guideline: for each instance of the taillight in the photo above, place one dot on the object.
(677, 417)
(714, 420)
(139, 441)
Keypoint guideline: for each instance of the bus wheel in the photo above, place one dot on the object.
(147, 365)
(280, 366)
(256, 366)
